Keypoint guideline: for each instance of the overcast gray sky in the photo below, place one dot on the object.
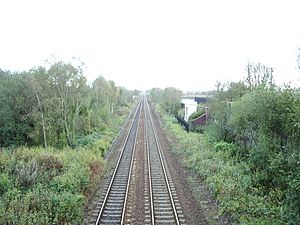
(144, 44)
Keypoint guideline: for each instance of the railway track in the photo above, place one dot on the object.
(163, 204)
(114, 201)
(141, 158)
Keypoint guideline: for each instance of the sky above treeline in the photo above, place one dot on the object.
(143, 44)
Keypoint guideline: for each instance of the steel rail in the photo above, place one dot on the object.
(130, 170)
(163, 166)
(149, 168)
(117, 165)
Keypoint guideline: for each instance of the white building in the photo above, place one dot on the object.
(190, 106)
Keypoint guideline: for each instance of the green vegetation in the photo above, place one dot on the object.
(55, 107)
(40, 186)
(168, 99)
(54, 131)
(263, 126)
(249, 153)
(195, 115)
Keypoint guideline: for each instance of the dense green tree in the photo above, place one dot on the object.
(156, 95)
(55, 107)
(36, 80)
(172, 97)
(67, 83)
(15, 110)
(169, 99)
(262, 123)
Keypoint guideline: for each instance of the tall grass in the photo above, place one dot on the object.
(40, 186)
(229, 179)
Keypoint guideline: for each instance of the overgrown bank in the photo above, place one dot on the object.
(55, 128)
(51, 186)
(229, 180)
(248, 155)
(249, 151)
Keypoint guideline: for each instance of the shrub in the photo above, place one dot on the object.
(4, 159)
(5, 183)
(51, 186)
(39, 186)
(88, 139)
(292, 201)
(224, 146)
(230, 179)
(26, 173)
(68, 208)
(49, 163)
(218, 128)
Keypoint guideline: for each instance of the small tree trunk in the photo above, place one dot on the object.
(42, 118)
(69, 142)
(32, 84)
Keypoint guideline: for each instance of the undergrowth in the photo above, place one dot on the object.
(52, 186)
(229, 179)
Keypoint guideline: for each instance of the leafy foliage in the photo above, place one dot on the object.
(41, 186)
(249, 152)
(263, 125)
(230, 180)
(69, 125)
(56, 106)
(168, 99)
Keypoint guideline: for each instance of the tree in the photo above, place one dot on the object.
(32, 82)
(172, 99)
(55, 106)
(111, 96)
(156, 95)
(259, 75)
(16, 103)
(68, 82)
(168, 99)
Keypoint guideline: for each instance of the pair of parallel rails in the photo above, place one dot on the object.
(161, 204)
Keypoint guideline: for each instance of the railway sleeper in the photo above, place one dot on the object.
(165, 220)
(160, 195)
(109, 221)
(163, 209)
(110, 215)
(115, 201)
(162, 205)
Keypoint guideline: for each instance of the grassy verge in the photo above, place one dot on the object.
(52, 186)
(229, 179)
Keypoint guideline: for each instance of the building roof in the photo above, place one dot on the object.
(187, 101)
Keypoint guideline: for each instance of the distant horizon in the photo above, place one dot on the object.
(89, 81)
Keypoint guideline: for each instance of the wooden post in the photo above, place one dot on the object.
(206, 113)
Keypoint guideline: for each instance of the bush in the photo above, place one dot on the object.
(39, 186)
(52, 186)
(292, 200)
(68, 208)
(5, 183)
(88, 139)
(225, 147)
(230, 179)
(26, 173)
(218, 128)
(75, 179)
(49, 162)
(41, 206)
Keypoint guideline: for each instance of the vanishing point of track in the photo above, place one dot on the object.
(160, 202)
